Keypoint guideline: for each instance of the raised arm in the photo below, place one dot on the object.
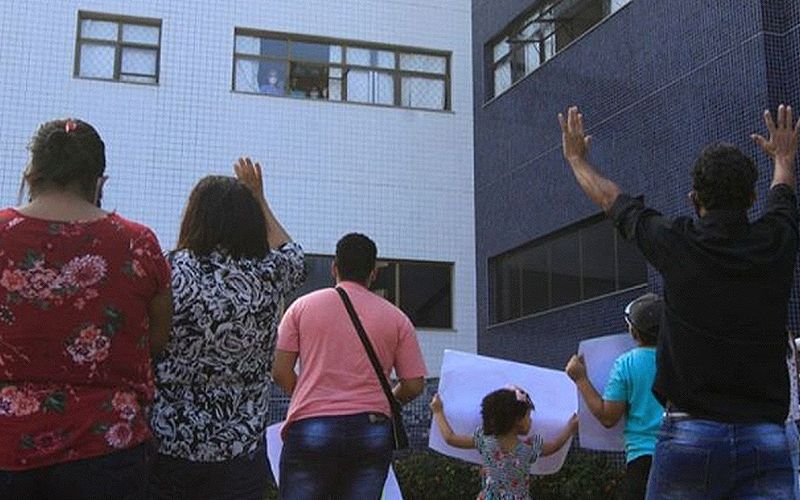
(550, 447)
(249, 174)
(607, 412)
(575, 143)
(781, 145)
(450, 437)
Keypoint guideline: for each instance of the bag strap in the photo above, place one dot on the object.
(393, 403)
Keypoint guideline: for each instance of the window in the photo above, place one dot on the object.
(581, 262)
(117, 48)
(539, 35)
(337, 70)
(422, 290)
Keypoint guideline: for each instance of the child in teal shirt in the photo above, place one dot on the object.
(629, 392)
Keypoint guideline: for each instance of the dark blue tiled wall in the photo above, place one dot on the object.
(656, 81)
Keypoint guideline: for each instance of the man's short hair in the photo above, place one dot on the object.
(355, 257)
(724, 177)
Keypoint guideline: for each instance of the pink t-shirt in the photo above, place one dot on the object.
(336, 377)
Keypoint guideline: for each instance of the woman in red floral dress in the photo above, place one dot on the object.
(84, 301)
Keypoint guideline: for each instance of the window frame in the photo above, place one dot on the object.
(119, 45)
(546, 241)
(397, 73)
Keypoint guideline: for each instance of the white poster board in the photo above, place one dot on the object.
(391, 490)
(599, 354)
(467, 378)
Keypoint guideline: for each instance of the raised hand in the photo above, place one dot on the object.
(575, 143)
(783, 137)
(249, 174)
(436, 405)
(576, 367)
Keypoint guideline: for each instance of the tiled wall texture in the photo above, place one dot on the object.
(656, 81)
(402, 176)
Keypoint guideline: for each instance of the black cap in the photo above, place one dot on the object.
(644, 313)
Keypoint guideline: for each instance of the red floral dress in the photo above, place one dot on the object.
(75, 373)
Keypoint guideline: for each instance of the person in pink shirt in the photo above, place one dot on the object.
(337, 436)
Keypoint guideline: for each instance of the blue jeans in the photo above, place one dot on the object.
(793, 436)
(342, 457)
(121, 475)
(697, 459)
(241, 478)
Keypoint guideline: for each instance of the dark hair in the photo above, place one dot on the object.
(724, 177)
(223, 213)
(355, 257)
(66, 151)
(501, 410)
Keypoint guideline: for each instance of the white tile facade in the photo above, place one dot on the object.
(403, 177)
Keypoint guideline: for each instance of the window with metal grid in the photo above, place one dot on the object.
(306, 67)
(117, 48)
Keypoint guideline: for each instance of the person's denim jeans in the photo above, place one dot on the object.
(242, 478)
(122, 475)
(793, 436)
(341, 457)
(697, 459)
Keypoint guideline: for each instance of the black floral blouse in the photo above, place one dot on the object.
(213, 378)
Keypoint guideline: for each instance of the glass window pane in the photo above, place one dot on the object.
(138, 61)
(370, 86)
(535, 280)
(274, 47)
(96, 61)
(500, 49)
(425, 294)
(103, 30)
(246, 79)
(370, 57)
(565, 266)
(334, 89)
(248, 45)
(632, 266)
(618, 4)
(317, 52)
(138, 79)
(597, 252)
(422, 62)
(506, 291)
(318, 268)
(427, 93)
(502, 78)
(272, 77)
(312, 80)
(138, 33)
(386, 281)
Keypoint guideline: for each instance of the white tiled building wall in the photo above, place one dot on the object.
(404, 177)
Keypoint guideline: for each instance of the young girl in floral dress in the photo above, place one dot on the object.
(507, 454)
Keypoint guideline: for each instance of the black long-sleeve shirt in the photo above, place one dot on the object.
(722, 342)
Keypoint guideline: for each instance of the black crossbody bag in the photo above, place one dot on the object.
(398, 429)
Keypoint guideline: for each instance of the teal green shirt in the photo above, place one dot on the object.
(631, 381)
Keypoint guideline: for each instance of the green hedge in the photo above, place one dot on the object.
(427, 475)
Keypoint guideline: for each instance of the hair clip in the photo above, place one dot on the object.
(521, 395)
(69, 126)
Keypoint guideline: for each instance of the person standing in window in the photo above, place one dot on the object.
(233, 265)
(84, 302)
(337, 434)
(721, 367)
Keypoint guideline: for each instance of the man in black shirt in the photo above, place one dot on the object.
(721, 362)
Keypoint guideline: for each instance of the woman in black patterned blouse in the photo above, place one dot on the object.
(233, 265)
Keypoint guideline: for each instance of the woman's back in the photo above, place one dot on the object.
(213, 378)
(75, 370)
